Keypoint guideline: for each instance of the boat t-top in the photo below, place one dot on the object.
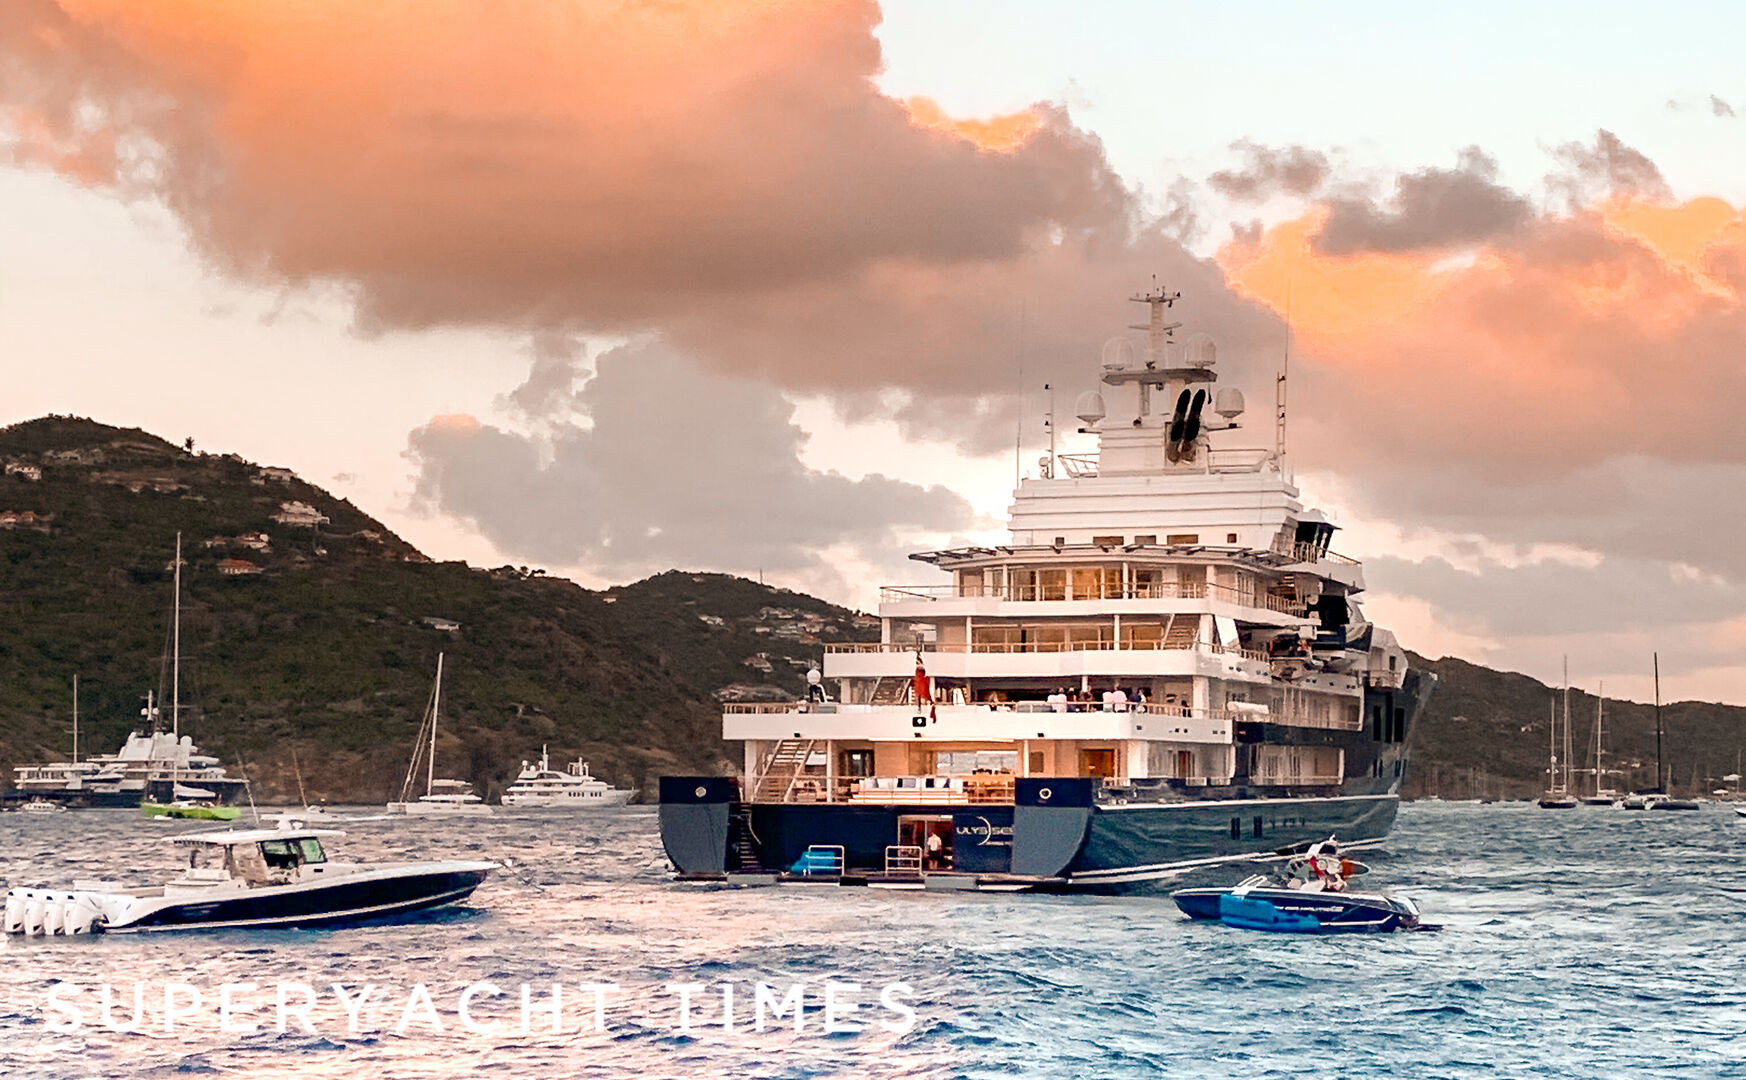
(265, 877)
(441, 797)
(574, 788)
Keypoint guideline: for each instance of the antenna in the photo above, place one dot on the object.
(176, 652)
(1018, 434)
(1284, 371)
(1049, 422)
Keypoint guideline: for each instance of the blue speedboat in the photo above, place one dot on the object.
(1310, 897)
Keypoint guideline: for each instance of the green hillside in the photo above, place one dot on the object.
(328, 651)
(1485, 736)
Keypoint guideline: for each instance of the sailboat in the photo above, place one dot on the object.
(1602, 796)
(1558, 796)
(153, 766)
(441, 797)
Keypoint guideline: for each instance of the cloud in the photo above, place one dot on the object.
(1608, 167)
(1568, 379)
(1430, 209)
(549, 391)
(674, 466)
(1718, 107)
(1269, 171)
(726, 175)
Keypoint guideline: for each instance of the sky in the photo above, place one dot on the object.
(769, 288)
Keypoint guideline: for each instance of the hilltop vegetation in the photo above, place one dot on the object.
(1485, 735)
(327, 652)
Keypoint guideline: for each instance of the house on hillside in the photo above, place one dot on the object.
(24, 470)
(438, 623)
(276, 474)
(759, 662)
(89, 455)
(299, 513)
(25, 519)
(237, 567)
(257, 541)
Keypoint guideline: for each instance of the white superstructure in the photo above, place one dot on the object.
(1166, 613)
(575, 788)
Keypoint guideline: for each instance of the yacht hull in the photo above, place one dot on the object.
(1058, 842)
(320, 905)
(366, 896)
(1297, 911)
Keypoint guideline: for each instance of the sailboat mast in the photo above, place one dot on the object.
(1567, 761)
(1600, 695)
(176, 650)
(1659, 786)
(436, 704)
(1552, 747)
(75, 718)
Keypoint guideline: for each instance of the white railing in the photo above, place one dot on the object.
(1167, 590)
(1077, 466)
(903, 859)
(1018, 647)
(1310, 553)
(825, 860)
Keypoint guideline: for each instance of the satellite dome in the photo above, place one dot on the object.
(1200, 351)
(813, 677)
(1118, 352)
(1229, 403)
(1089, 407)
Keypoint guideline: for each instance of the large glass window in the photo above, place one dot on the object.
(1052, 584)
(966, 762)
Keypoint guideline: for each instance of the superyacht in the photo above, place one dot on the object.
(153, 765)
(572, 789)
(1164, 668)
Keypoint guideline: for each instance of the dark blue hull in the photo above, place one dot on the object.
(1296, 911)
(1070, 833)
(328, 905)
(1054, 838)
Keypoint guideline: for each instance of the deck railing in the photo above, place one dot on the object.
(1012, 647)
(1164, 590)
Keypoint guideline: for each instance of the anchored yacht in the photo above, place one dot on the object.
(1165, 668)
(442, 797)
(573, 789)
(153, 765)
(269, 877)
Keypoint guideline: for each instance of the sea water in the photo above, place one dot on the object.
(1586, 942)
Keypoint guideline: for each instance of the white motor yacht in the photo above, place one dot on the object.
(272, 877)
(575, 788)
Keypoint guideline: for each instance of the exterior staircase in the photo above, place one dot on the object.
(1183, 632)
(745, 851)
(891, 690)
(782, 767)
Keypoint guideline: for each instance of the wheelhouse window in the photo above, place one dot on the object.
(310, 848)
(280, 854)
